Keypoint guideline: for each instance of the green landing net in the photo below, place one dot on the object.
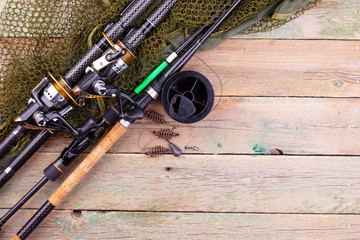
(36, 36)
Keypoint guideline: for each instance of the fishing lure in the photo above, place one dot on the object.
(165, 133)
(155, 117)
(157, 151)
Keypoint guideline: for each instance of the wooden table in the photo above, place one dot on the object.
(295, 89)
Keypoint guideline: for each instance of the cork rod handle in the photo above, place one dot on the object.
(75, 177)
(115, 133)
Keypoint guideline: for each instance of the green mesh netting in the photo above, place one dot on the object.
(36, 36)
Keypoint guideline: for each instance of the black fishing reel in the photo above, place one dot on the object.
(187, 97)
(51, 99)
(104, 71)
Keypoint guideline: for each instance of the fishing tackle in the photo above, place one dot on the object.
(175, 149)
(133, 113)
(55, 94)
(187, 97)
(165, 133)
(91, 129)
(157, 151)
(155, 117)
(194, 148)
(54, 97)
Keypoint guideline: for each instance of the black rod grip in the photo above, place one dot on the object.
(134, 39)
(136, 9)
(11, 139)
(35, 221)
(158, 15)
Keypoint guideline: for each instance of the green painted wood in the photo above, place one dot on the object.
(206, 183)
(140, 225)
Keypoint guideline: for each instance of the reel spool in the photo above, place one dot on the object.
(104, 70)
(188, 97)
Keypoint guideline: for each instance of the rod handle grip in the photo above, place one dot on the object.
(84, 167)
(34, 222)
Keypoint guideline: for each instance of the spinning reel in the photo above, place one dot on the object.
(104, 70)
(53, 98)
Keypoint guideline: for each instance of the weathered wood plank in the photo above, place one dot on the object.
(282, 68)
(319, 68)
(256, 125)
(214, 183)
(242, 67)
(330, 19)
(139, 225)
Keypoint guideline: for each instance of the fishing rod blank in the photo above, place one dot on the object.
(54, 170)
(40, 103)
(90, 128)
(127, 16)
(136, 111)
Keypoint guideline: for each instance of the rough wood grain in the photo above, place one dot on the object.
(221, 185)
(319, 68)
(255, 126)
(330, 19)
(282, 68)
(214, 183)
(139, 225)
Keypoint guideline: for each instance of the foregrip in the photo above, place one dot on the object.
(128, 18)
(11, 139)
(78, 69)
(32, 224)
(152, 22)
(113, 33)
(157, 16)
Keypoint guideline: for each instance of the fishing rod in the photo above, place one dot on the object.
(114, 30)
(94, 130)
(98, 74)
(58, 95)
(133, 113)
